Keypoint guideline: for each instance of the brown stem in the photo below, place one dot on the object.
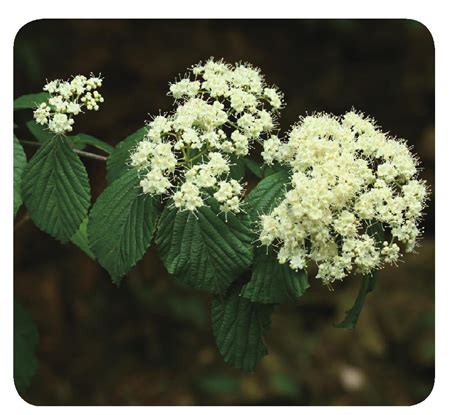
(79, 152)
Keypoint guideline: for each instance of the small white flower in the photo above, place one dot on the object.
(185, 88)
(250, 125)
(241, 100)
(73, 108)
(228, 195)
(188, 197)
(60, 124)
(240, 143)
(42, 114)
(51, 87)
(273, 96)
(158, 127)
(271, 150)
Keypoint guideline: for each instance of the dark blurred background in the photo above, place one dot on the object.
(149, 342)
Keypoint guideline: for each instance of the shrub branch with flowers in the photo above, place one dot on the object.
(335, 194)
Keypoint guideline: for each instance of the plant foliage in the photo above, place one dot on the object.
(121, 225)
(204, 250)
(55, 189)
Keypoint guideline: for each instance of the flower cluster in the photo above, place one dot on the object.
(221, 110)
(68, 98)
(348, 179)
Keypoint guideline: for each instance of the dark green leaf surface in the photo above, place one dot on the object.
(86, 139)
(40, 132)
(204, 250)
(25, 340)
(19, 163)
(274, 168)
(78, 141)
(55, 189)
(30, 101)
(267, 194)
(239, 326)
(121, 225)
(81, 240)
(254, 167)
(118, 162)
(272, 282)
(237, 168)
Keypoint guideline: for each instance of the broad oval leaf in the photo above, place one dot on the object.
(202, 249)
(25, 341)
(239, 326)
(19, 163)
(55, 189)
(267, 194)
(272, 282)
(117, 162)
(121, 225)
(30, 101)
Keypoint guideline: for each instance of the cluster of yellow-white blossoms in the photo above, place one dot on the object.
(221, 111)
(68, 98)
(347, 178)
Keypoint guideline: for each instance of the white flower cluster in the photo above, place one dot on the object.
(347, 179)
(221, 111)
(68, 98)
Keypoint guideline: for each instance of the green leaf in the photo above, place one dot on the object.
(55, 189)
(19, 163)
(30, 101)
(78, 141)
(25, 341)
(237, 168)
(239, 326)
(117, 163)
(202, 249)
(41, 133)
(253, 167)
(272, 282)
(274, 168)
(352, 315)
(86, 139)
(81, 240)
(121, 225)
(267, 194)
